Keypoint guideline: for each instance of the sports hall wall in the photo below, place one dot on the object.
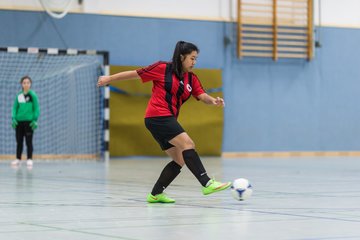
(270, 106)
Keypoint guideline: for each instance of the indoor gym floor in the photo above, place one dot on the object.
(294, 199)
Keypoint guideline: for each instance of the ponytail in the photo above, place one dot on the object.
(181, 48)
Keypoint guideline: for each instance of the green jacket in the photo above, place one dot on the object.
(26, 107)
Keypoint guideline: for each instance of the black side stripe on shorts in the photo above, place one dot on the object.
(190, 83)
(168, 86)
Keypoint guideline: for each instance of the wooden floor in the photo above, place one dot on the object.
(294, 199)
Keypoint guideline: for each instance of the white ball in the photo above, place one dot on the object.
(241, 189)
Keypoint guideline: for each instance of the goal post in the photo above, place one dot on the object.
(74, 113)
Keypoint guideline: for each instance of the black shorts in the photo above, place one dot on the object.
(163, 130)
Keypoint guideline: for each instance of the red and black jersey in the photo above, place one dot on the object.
(168, 92)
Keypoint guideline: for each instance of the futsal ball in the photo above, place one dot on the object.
(241, 189)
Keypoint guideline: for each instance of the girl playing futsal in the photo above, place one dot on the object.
(173, 84)
(25, 114)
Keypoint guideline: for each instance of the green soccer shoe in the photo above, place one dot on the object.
(159, 198)
(214, 186)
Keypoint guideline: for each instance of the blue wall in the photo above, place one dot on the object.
(289, 105)
(296, 105)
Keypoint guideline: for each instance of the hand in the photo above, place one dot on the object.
(219, 102)
(14, 124)
(33, 125)
(103, 80)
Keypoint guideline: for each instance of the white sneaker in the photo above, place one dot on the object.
(29, 163)
(15, 163)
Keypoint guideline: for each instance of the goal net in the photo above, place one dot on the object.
(71, 122)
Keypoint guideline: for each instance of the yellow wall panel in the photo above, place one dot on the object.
(128, 134)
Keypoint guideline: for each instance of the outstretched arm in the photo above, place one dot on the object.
(211, 101)
(127, 75)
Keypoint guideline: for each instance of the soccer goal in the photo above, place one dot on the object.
(74, 114)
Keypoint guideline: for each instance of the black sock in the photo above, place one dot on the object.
(168, 174)
(193, 162)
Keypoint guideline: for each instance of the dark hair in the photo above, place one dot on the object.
(25, 77)
(181, 48)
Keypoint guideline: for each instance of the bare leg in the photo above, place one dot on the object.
(176, 154)
(182, 142)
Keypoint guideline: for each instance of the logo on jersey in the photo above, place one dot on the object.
(21, 98)
(188, 87)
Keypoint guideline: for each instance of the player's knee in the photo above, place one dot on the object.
(183, 142)
(188, 144)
